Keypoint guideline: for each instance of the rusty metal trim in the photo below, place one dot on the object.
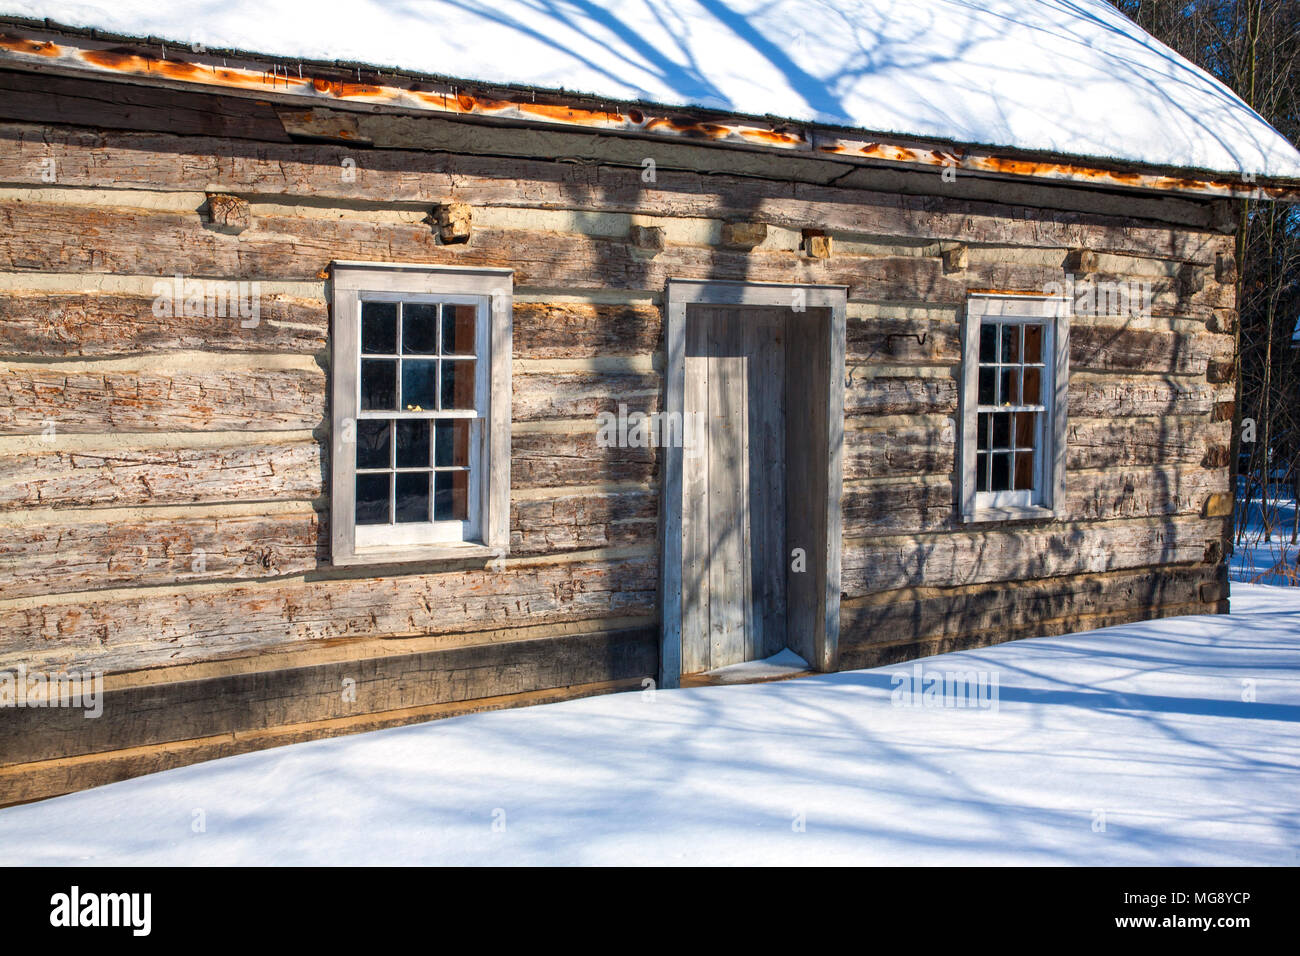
(176, 65)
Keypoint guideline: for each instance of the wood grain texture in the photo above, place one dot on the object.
(100, 239)
(894, 626)
(1023, 553)
(1101, 442)
(547, 459)
(81, 552)
(186, 710)
(151, 627)
(570, 522)
(89, 157)
(572, 330)
(258, 399)
(129, 472)
(100, 324)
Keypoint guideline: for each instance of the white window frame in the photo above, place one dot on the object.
(486, 533)
(1047, 498)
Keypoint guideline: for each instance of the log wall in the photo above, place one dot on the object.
(162, 484)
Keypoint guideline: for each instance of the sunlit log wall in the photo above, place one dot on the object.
(132, 445)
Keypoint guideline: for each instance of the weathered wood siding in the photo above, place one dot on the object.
(162, 479)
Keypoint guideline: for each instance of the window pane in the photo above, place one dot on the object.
(378, 384)
(372, 444)
(986, 395)
(1001, 430)
(458, 384)
(988, 342)
(1033, 343)
(452, 496)
(1024, 476)
(413, 443)
(981, 472)
(1001, 479)
(1025, 428)
(379, 327)
(1033, 386)
(413, 496)
(982, 430)
(1009, 387)
(458, 329)
(1010, 350)
(419, 385)
(452, 443)
(419, 329)
(372, 499)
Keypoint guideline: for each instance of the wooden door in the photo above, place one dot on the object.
(734, 487)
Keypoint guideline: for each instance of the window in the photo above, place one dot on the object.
(421, 412)
(1014, 381)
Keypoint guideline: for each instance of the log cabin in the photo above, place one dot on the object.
(363, 373)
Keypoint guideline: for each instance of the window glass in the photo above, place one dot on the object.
(1009, 416)
(419, 364)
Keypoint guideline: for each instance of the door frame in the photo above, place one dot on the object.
(679, 294)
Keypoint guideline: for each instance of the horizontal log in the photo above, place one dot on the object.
(98, 324)
(568, 522)
(1121, 349)
(897, 507)
(34, 399)
(923, 446)
(913, 341)
(86, 157)
(46, 98)
(1140, 492)
(103, 239)
(897, 394)
(551, 459)
(239, 703)
(983, 615)
(150, 628)
(1021, 553)
(586, 394)
(928, 503)
(1140, 396)
(81, 553)
(1101, 442)
(130, 473)
(570, 330)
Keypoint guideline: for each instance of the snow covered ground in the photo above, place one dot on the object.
(1169, 742)
(1275, 561)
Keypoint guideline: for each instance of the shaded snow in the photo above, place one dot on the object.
(1275, 560)
(1144, 723)
(1072, 76)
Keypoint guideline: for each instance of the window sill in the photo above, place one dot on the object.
(450, 551)
(1027, 513)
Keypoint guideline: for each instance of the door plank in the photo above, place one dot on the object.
(695, 513)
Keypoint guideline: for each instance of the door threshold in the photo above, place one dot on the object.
(780, 666)
(706, 679)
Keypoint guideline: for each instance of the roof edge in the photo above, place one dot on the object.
(44, 46)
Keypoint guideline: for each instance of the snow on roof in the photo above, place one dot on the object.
(1067, 76)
